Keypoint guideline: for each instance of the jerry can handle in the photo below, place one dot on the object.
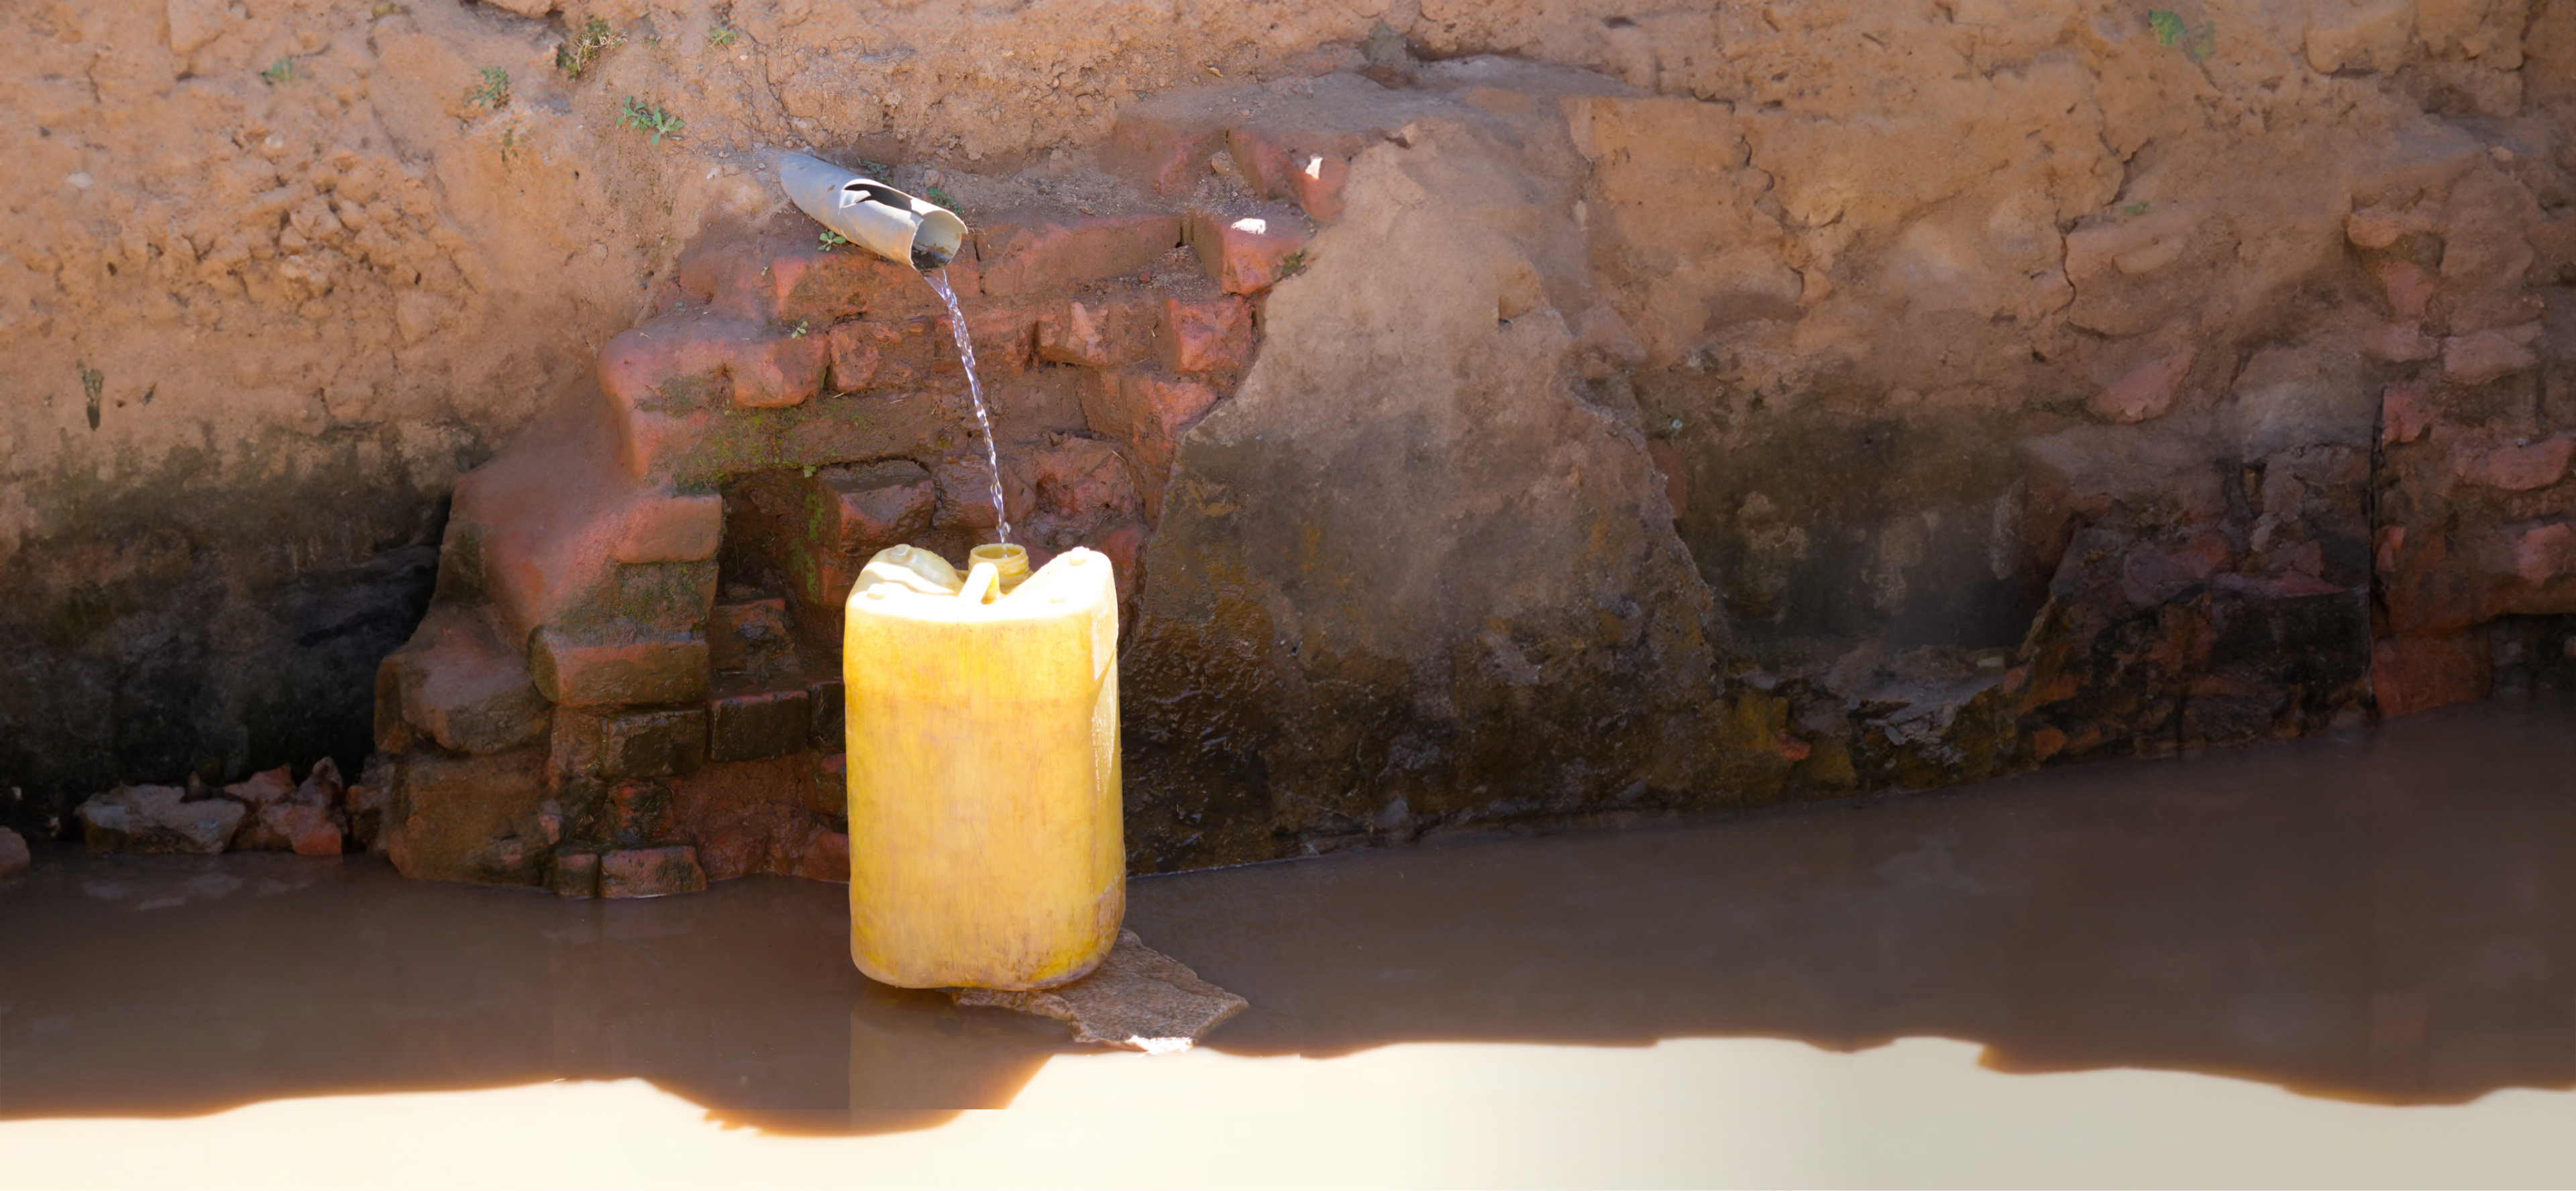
(981, 584)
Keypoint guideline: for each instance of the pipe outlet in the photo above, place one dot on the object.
(871, 214)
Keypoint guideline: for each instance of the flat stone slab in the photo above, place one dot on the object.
(1137, 999)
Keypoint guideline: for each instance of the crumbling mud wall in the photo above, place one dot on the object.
(1638, 413)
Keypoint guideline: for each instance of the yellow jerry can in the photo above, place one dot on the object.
(986, 849)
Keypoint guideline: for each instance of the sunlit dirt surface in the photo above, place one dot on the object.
(2347, 961)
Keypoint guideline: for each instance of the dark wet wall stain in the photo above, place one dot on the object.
(206, 616)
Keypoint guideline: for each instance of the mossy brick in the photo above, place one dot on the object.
(749, 634)
(574, 872)
(650, 872)
(752, 725)
(626, 669)
(476, 819)
(827, 786)
(636, 812)
(456, 685)
(652, 743)
(829, 733)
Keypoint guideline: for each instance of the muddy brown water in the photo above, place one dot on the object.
(2388, 916)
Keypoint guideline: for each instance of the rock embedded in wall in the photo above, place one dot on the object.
(1408, 574)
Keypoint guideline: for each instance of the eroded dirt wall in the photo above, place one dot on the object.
(1931, 389)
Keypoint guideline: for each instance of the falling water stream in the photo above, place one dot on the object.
(975, 389)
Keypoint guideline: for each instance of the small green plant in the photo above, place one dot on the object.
(494, 91)
(939, 196)
(576, 56)
(722, 37)
(1292, 264)
(651, 120)
(280, 71)
(2171, 29)
(831, 240)
(2134, 210)
(875, 169)
(386, 8)
(509, 144)
(801, 328)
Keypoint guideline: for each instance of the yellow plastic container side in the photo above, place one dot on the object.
(986, 848)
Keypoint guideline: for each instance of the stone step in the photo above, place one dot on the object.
(553, 532)
(458, 686)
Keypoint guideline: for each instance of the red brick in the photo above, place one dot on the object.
(1124, 544)
(2515, 468)
(2145, 391)
(1149, 413)
(1098, 333)
(757, 724)
(637, 812)
(262, 789)
(1209, 336)
(727, 279)
(746, 816)
(460, 686)
(690, 362)
(2408, 288)
(2544, 553)
(1079, 480)
(1247, 254)
(827, 791)
(1308, 165)
(655, 743)
(574, 873)
(1004, 332)
(876, 354)
(2411, 674)
(1273, 156)
(469, 818)
(650, 872)
(1318, 187)
(772, 371)
(807, 284)
(1032, 252)
(642, 670)
(671, 529)
(2482, 356)
(826, 859)
(2405, 411)
(747, 634)
(866, 509)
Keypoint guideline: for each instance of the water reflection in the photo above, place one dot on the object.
(2388, 917)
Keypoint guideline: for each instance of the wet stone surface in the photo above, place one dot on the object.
(1137, 999)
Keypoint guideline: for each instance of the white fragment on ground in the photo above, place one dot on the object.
(158, 819)
(1137, 999)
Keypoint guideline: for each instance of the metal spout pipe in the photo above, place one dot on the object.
(871, 214)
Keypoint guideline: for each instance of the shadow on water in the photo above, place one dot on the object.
(2387, 917)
